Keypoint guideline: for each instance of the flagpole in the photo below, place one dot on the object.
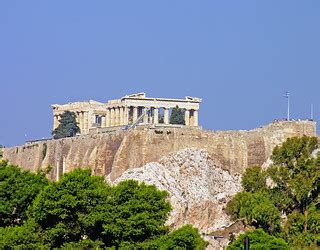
(288, 115)
(287, 95)
(311, 115)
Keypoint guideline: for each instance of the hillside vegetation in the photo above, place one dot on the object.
(82, 211)
(282, 201)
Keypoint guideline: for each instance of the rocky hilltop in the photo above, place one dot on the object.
(201, 170)
(114, 153)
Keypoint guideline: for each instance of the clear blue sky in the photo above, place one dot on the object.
(239, 56)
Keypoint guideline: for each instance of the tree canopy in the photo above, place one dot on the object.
(83, 211)
(177, 116)
(17, 191)
(288, 189)
(68, 126)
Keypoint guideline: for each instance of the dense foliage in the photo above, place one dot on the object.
(17, 191)
(185, 237)
(177, 116)
(259, 240)
(68, 126)
(82, 211)
(284, 198)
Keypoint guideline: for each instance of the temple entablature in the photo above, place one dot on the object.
(130, 110)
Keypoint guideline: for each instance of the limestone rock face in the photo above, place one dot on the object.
(198, 190)
(115, 152)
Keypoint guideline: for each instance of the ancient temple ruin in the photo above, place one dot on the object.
(128, 111)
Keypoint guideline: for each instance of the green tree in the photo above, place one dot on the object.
(26, 236)
(18, 189)
(296, 177)
(68, 126)
(186, 237)
(293, 189)
(138, 212)
(83, 212)
(177, 116)
(83, 244)
(259, 240)
(296, 172)
(253, 179)
(72, 209)
(255, 209)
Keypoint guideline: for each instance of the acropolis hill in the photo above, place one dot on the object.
(125, 139)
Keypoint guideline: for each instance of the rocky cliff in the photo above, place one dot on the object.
(113, 153)
(201, 170)
(198, 189)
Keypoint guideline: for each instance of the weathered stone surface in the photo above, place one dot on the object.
(198, 189)
(115, 153)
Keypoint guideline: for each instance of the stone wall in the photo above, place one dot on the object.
(112, 154)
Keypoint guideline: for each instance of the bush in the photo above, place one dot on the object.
(258, 239)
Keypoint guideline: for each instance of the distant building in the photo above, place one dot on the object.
(129, 110)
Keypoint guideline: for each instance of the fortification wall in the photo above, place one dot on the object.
(112, 154)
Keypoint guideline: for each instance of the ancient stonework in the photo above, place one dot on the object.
(129, 110)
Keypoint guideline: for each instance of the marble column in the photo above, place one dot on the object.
(93, 120)
(135, 114)
(126, 116)
(55, 121)
(80, 121)
(187, 117)
(112, 117)
(108, 118)
(166, 116)
(121, 114)
(78, 118)
(116, 116)
(86, 122)
(103, 121)
(191, 120)
(145, 117)
(195, 118)
(155, 116)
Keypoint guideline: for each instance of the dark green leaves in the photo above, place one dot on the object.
(82, 211)
(259, 240)
(18, 189)
(254, 180)
(291, 187)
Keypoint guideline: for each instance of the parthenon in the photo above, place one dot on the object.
(130, 110)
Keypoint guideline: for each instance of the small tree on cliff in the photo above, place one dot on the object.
(68, 126)
(177, 116)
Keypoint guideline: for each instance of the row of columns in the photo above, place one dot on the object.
(119, 116)
(191, 117)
